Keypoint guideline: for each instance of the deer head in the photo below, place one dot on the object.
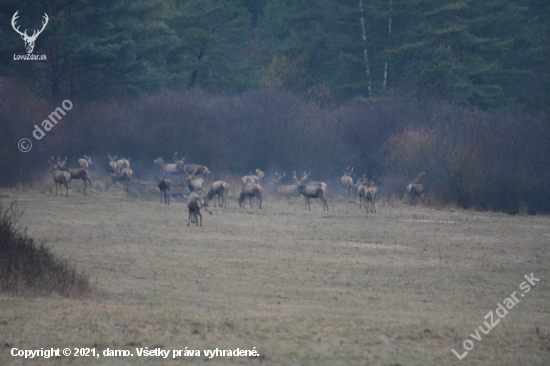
(29, 41)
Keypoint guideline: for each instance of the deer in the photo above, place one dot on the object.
(253, 179)
(362, 185)
(414, 189)
(167, 168)
(219, 188)
(371, 195)
(312, 191)
(84, 163)
(251, 190)
(29, 41)
(60, 177)
(195, 203)
(195, 168)
(77, 173)
(164, 186)
(347, 180)
(122, 164)
(194, 184)
(284, 190)
(312, 183)
(112, 163)
(125, 176)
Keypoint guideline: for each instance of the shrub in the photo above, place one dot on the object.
(28, 268)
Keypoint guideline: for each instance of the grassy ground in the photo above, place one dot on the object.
(398, 287)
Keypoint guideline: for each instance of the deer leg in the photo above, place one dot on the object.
(198, 213)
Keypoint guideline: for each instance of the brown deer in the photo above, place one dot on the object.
(187, 168)
(125, 176)
(168, 168)
(253, 179)
(164, 186)
(284, 190)
(312, 191)
(347, 180)
(414, 189)
(251, 191)
(60, 177)
(78, 173)
(194, 184)
(84, 163)
(219, 188)
(195, 203)
(371, 195)
(112, 163)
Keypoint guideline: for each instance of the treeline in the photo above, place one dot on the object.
(490, 54)
(488, 160)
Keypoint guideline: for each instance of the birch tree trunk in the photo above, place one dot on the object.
(365, 53)
(388, 46)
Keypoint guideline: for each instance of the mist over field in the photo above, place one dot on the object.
(440, 108)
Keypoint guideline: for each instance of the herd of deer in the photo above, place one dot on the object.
(195, 176)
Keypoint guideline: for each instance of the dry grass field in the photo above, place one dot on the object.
(398, 287)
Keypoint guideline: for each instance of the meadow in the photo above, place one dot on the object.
(402, 286)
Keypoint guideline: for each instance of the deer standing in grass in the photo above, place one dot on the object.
(371, 196)
(284, 190)
(122, 164)
(251, 191)
(219, 188)
(195, 203)
(347, 180)
(125, 176)
(253, 179)
(194, 184)
(196, 169)
(85, 162)
(60, 177)
(112, 163)
(167, 168)
(312, 190)
(77, 173)
(164, 186)
(414, 189)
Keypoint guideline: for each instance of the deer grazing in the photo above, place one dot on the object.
(251, 191)
(219, 188)
(371, 195)
(312, 190)
(77, 173)
(84, 163)
(112, 163)
(125, 176)
(347, 180)
(29, 41)
(195, 203)
(414, 189)
(284, 190)
(164, 186)
(60, 177)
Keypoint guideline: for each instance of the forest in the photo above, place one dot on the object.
(458, 89)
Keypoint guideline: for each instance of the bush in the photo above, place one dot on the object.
(31, 269)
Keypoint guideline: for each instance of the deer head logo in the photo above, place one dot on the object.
(29, 41)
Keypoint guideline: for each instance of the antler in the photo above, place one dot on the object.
(15, 16)
(43, 26)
